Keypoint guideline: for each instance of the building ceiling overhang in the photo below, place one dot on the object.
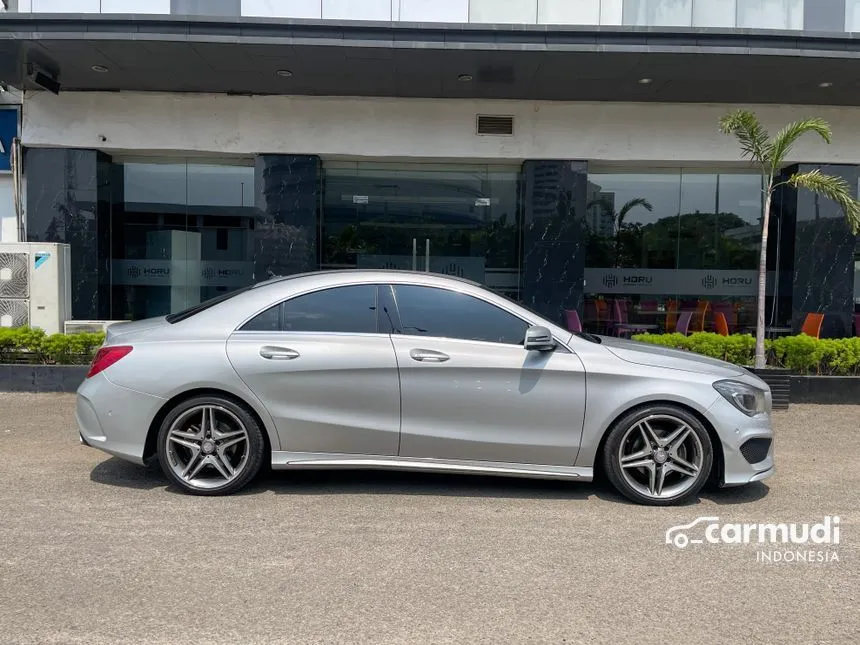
(245, 55)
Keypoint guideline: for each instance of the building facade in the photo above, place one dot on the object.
(562, 152)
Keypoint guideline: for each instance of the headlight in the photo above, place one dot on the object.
(746, 398)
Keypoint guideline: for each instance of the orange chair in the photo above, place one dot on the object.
(812, 325)
(721, 324)
(702, 308)
(671, 315)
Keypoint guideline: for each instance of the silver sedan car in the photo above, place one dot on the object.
(415, 371)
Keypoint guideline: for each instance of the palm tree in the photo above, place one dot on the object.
(769, 155)
(619, 217)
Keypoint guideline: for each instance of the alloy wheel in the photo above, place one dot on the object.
(207, 447)
(660, 456)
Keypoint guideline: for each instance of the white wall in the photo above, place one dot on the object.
(445, 129)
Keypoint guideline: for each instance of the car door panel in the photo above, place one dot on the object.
(489, 402)
(337, 393)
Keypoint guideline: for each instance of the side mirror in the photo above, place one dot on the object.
(539, 339)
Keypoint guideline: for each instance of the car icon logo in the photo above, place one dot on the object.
(677, 535)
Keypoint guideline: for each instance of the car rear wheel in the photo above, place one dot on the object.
(659, 455)
(210, 446)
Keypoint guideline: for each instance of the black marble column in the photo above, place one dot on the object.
(68, 201)
(824, 257)
(286, 230)
(554, 236)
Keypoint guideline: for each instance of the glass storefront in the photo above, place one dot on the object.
(461, 220)
(664, 242)
(180, 233)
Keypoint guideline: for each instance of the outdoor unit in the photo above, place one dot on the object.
(35, 286)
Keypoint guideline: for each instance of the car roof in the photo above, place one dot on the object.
(370, 274)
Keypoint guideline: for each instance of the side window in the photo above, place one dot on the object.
(341, 309)
(427, 311)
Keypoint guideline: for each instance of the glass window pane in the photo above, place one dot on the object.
(714, 13)
(136, 6)
(426, 311)
(356, 9)
(770, 14)
(852, 15)
(664, 13)
(65, 6)
(463, 219)
(206, 7)
(349, 310)
(633, 220)
(269, 320)
(434, 10)
(611, 12)
(569, 12)
(282, 8)
(503, 11)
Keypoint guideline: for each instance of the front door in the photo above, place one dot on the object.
(469, 390)
(324, 370)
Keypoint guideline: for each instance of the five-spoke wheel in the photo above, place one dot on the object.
(210, 445)
(658, 455)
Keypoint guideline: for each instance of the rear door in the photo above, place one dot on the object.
(470, 390)
(325, 370)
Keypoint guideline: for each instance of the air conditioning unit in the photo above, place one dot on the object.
(89, 326)
(35, 285)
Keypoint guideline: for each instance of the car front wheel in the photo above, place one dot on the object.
(659, 455)
(210, 446)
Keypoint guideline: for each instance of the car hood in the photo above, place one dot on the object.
(125, 330)
(657, 356)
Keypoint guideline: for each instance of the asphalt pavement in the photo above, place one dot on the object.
(95, 550)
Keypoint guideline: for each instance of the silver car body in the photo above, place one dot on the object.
(365, 400)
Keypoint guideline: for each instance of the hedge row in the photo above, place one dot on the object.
(801, 354)
(22, 344)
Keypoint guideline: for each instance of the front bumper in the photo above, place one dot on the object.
(735, 429)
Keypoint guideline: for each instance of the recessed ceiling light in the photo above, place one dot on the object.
(825, 84)
(284, 73)
(464, 77)
(646, 81)
(101, 69)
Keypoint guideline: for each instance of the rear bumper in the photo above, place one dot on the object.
(113, 418)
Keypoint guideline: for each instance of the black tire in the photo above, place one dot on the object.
(256, 445)
(612, 459)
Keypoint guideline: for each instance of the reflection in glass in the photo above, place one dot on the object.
(569, 12)
(852, 15)
(180, 234)
(664, 13)
(770, 14)
(456, 220)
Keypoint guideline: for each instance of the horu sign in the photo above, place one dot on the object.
(680, 282)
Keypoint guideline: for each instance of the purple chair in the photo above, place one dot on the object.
(857, 324)
(622, 325)
(683, 324)
(649, 305)
(571, 317)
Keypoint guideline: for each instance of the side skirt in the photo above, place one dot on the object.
(282, 460)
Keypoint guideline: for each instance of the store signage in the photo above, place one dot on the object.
(8, 131)
(182, 273)
(672, 281)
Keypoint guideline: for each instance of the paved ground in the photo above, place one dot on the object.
(93, 550)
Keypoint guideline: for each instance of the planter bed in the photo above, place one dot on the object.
(41, 378)
(832, 390)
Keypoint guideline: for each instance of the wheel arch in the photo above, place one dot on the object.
(149, 449)
(718, 465)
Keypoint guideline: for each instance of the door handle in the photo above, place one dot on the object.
(428, 356)
(278, 353)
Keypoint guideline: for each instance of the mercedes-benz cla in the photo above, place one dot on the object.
(415, 371)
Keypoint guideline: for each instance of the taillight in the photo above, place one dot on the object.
(106, 357)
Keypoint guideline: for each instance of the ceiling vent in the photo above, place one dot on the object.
(500, 126)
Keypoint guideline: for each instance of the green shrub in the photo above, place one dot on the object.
(802, 354)
(33, 345)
